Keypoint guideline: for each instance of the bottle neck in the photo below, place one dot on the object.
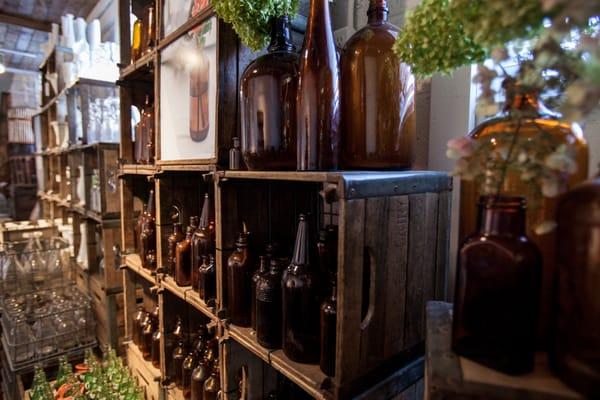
(281, 37)
(504, 216)
(177, 228)
(378, 12)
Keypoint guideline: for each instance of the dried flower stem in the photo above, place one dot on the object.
(513, 143)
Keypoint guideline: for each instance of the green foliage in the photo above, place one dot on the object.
(433, 40)
(251, 18)
(491, 22)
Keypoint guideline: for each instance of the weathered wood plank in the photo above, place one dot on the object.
(443, 246)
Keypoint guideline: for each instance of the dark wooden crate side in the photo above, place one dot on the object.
(396, 239)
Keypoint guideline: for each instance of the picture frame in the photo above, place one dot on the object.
(176, 13)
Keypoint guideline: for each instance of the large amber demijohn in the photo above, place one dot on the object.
(378, 122)
(536, 117)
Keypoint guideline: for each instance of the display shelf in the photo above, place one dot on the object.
(155, 372)
(139, 68)
(137, 169)
(134, 263)
(308, 376)
(170, 166)
(189, 295)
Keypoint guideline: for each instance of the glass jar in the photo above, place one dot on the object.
(497, 289)
(268, 103)
(378, 98)
(239, 277)
(301, 302)
(575, 350)
(317, 112)
(500, 130)
(268, 306)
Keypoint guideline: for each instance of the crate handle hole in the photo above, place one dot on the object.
(368, 289)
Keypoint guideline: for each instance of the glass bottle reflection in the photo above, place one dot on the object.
(378, 98)
(268, 103)
(318, 94)
(239, 276)
(497, 289)
(301, 302)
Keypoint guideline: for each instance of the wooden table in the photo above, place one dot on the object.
(449, 376)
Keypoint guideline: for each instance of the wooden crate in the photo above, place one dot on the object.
(22, 170)
(147, 376)
(17, 231)
(393, 231)
(110, 319)
(103, 157)
(451, 377)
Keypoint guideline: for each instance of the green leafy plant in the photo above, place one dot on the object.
(433, 40)
(251, 18)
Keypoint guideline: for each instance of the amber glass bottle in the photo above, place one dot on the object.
(268, 103)
(200, 374)
(171, 341)
(239, 282)
(328, 254)
(328, 332)
(148, 234)
(260, 271)
(174, 238)
(183, 256)
(497, 289)
(188, 366)
(137, 322)
(317, 115)
(136, 42)
(268, 306)
(207, 281)
(575, 351)
(144, 135)
(178, 357)
(301, 302)
(147, 333)
(139, 227)
(199, 113)
(149, 29)
(155, 353)
(536, 117)
(144, 321)
(378, 98)
(203, 241)
(212, 386)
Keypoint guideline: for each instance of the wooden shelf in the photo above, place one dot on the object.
(184, 167)
(155, 372)
(308, 376)
(302, 176)
(137, 169)
(173, 393)
(139, 68)
(134, 263)
(188, 295)
(64, 91)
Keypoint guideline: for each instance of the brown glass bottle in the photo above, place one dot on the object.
(178, 357)
(155, 353)
(183, 256)
(239, 277)
(136, 42)
(268, 103)
(200, 374)
(207, 281)
(144, 147)
(497, 289)
(212, 386)
(203, 241)
(171, 341)
(148, 234)
(144, 321)
(188, 366)
(149, 29)
(301, 302)
(575, 350)
(268, 306)
(261, 270)
(174, 238)
(328, 332)
(137, 322)
(139, 226)
(199, 112)
(377, 98)
(328, 252)
(147, 334)
(317, 115)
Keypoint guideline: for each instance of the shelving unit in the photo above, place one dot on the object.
(395, 222)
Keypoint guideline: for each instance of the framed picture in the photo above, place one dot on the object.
(188, 96)
(178, 12)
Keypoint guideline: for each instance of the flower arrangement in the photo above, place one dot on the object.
(251, 18)
(557, 43)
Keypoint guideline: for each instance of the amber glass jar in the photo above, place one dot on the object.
(328, 332)
(178, 357)
(378, 117)
(497, 289)
(188, 366)
(301, 302)
(261, 270)
(207, 281)
(212, 386)
(183, 256)
(562, 132)
(174, 238)
(171, 341)
(148, 233)
(268, 103)
(200, 374)
(149, 29)
(155, 353)
(147, 334)
(239, 282)
(137, 322)
(144, 321)
(575, 351)
(317, 112)
(136, 41)
(268, 306)
(203, 241)
(328, 254)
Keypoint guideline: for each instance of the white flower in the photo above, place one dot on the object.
(561, 161)
(545, 227)
(550, 187)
